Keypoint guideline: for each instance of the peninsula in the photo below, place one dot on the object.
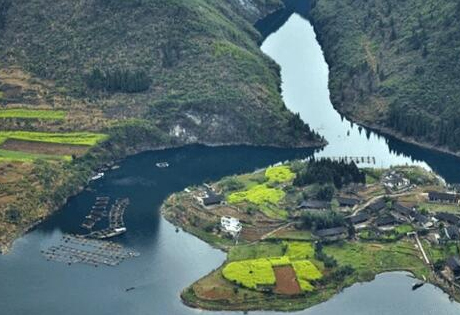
(297, 233)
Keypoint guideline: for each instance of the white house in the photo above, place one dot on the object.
(231, 225)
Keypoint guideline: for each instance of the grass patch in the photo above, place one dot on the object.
(73, 138)
(245, 252)
(279, 174)
(33, 114)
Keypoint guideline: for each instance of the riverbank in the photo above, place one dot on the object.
(356, 254)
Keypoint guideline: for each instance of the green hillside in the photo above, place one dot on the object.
(394, 64)
(141, 74)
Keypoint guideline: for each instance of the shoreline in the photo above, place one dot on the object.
(387, 132)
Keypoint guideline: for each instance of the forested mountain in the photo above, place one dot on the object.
(395, 64)
(171, 63)
(86, 82)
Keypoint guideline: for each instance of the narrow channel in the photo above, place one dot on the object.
(170, 261)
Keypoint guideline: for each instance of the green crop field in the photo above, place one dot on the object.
(73, 138)
(258, 271)
(299, 250)
(33, 114)
(250, 273)
(258, 195)
(306, 271)
(16, 156)
(279, 174)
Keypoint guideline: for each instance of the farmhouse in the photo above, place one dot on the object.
(448, 217)
(422, 220)
(359, 218)
(211, 198)
(453, 264)
(452, 232)
(377, 206)
(402, 210)
(386, 221)
(337, 232)
(348, 202)
(435, 196)
(314, 204)
(231, 225)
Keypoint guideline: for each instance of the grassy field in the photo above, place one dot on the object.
(279, 174)
(245, 252)
(299, 250)
(9, 156)
(73, 138)
(32, 114)
(369, 259)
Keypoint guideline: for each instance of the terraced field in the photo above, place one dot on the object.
(27, 146)
(33, 114)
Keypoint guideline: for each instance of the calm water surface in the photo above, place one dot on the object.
(170, 261)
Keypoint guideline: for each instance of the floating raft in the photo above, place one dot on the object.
(78, 249)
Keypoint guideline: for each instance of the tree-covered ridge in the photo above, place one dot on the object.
(395, 64)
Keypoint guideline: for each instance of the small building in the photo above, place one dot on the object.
(211, 198)
(402, 210)
(448, 217)
(395, 181)
(332, 233)
(359, 218)
(435, 196)
(377, 206)
(453, 264)
(348, 202)
(421, 219)
(231, 225)
(314, 204)
(452, 232)
(386, 221)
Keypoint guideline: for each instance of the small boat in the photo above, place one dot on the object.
(97, 176)
(130, 289)
(417, 285)
(162, 164)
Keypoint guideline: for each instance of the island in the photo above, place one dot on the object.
(297, 233)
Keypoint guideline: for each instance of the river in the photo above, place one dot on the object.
(170, 261)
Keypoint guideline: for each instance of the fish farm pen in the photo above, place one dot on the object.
(79, 249)
(91, 248)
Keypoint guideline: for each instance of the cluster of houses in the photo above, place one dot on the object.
(395, 181)
(208, 198)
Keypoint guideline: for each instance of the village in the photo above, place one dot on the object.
(404, 207)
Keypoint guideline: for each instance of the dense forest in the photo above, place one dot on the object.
(394, 64)
(326, 171)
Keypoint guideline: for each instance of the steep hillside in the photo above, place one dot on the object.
(89, 81)
(394, 65)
